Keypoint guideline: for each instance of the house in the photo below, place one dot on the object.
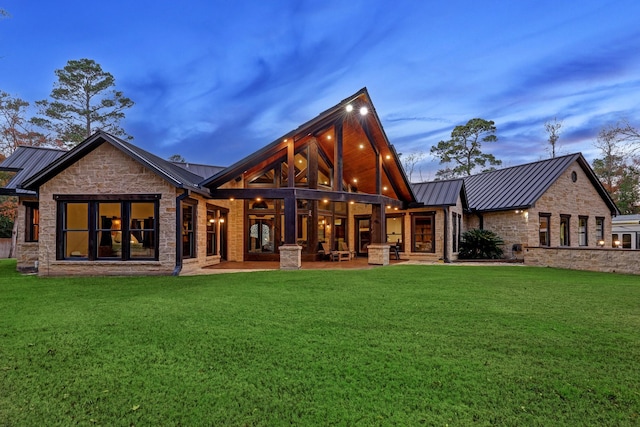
(626, 231)
(336, 182)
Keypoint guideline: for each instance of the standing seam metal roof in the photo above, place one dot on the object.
(27, 161)
(438, 193)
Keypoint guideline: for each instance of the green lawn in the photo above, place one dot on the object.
(402, 345)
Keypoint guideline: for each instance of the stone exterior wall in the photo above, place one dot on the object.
(575, 199)
(106, 170)
(26, 252)
(564, 197)
(590, 259)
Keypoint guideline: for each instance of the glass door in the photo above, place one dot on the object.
(363, 234)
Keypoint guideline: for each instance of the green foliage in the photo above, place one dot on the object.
(177, 158)
(6, 226)
(464, 149)
(83, 100)
(405, 345)
(15, 128)
(480, 244)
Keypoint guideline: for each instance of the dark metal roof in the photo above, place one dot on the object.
(174, 174)
(205, 171)
(438, 193)
(519, 187)
(26, 161)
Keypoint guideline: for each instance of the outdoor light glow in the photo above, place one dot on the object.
(326, 200)
(231, 199)
(385, 188)
(363, 111)
(355, 179)
(258, 199)
(349, 108)
(352, 202)
(212, 220)
(388, 156)
(221, 220)
(361, 146)
(328, 136)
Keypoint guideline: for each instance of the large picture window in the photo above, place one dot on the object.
(107, 229)
(211, 230)
(32, 222)
(423, 233)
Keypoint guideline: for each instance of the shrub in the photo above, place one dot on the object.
(6, 226)
(480, 244)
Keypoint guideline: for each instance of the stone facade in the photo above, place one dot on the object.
(590, 259)
(26, 252)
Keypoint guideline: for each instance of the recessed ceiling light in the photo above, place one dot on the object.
(349, 108)
(361, 146)
(388, 156)
(363, 111)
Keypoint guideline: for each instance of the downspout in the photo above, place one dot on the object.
(179, 199)
(445, 256)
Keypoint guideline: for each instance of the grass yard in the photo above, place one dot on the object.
(402, 345)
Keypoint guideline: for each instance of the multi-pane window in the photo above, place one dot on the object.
(188, 230)
(545, 239)
(626, 241)
(423, 233)
(564, 230)
(454, 231)
(32, 222)
(107, 229)
(600, 230)
(582, 231)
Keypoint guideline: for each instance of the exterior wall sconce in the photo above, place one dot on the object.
(616, 243)
(601, 243)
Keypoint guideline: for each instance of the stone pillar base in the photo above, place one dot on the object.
(378, 254)
(290, 257)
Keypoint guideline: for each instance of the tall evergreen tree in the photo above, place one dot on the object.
(83, 100)
(464, 149)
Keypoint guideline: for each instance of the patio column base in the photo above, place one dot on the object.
(378, 254)
(290, 257)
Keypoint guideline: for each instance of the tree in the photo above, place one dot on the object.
(15, 128)
(552, 127)
(410, 161)
(617, 169)
(83, 100)
(464, 149)
(177, 158)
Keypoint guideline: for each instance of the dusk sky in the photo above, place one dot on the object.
(214, 81)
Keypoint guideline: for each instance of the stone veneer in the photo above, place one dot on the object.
(290, 257)
(26, 252)
(378, 254)
(591, 259)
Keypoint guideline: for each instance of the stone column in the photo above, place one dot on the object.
(290, 257)
(378, 253)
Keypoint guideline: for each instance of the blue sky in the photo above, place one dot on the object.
(216, 80)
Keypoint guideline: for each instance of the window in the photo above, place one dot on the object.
(188, 230)
(395, 230)
(32, 222)
(423, 233)
(600, 231)
(615, 240)
(564, 230)
(110, 229)
(211, 231)
(626, 241)
(582, 231)
(454, 231)
(545, 239)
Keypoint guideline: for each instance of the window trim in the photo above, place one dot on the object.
(92, 202)
(399, 217)
(548, 238)
(566, 219)
(191, 232)
(211, 230)
(584, 233)
(421, 215)
(31, 222)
